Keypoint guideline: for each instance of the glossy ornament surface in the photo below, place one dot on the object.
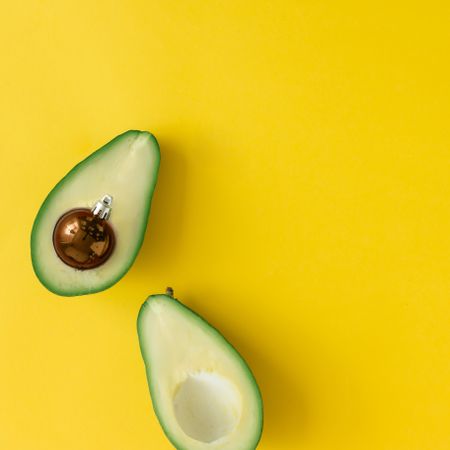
(82, 240)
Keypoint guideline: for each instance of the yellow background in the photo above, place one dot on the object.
(302, 207)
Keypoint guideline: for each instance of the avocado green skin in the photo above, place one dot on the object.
(203, 323)
(91, 158)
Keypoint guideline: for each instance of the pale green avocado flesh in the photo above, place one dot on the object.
(203, 392)
(125, 168)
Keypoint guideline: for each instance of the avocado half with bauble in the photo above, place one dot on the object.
(91, 226)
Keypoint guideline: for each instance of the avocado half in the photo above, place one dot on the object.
(202, 390)
(126, 169)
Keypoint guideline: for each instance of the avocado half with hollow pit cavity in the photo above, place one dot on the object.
(203, 392)
(91, 226)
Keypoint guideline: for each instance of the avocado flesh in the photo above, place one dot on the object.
(125, 168)
(203, 392)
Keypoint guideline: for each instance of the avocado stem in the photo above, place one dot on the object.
(169, 291)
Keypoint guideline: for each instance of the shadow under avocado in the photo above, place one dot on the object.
(165, 225)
